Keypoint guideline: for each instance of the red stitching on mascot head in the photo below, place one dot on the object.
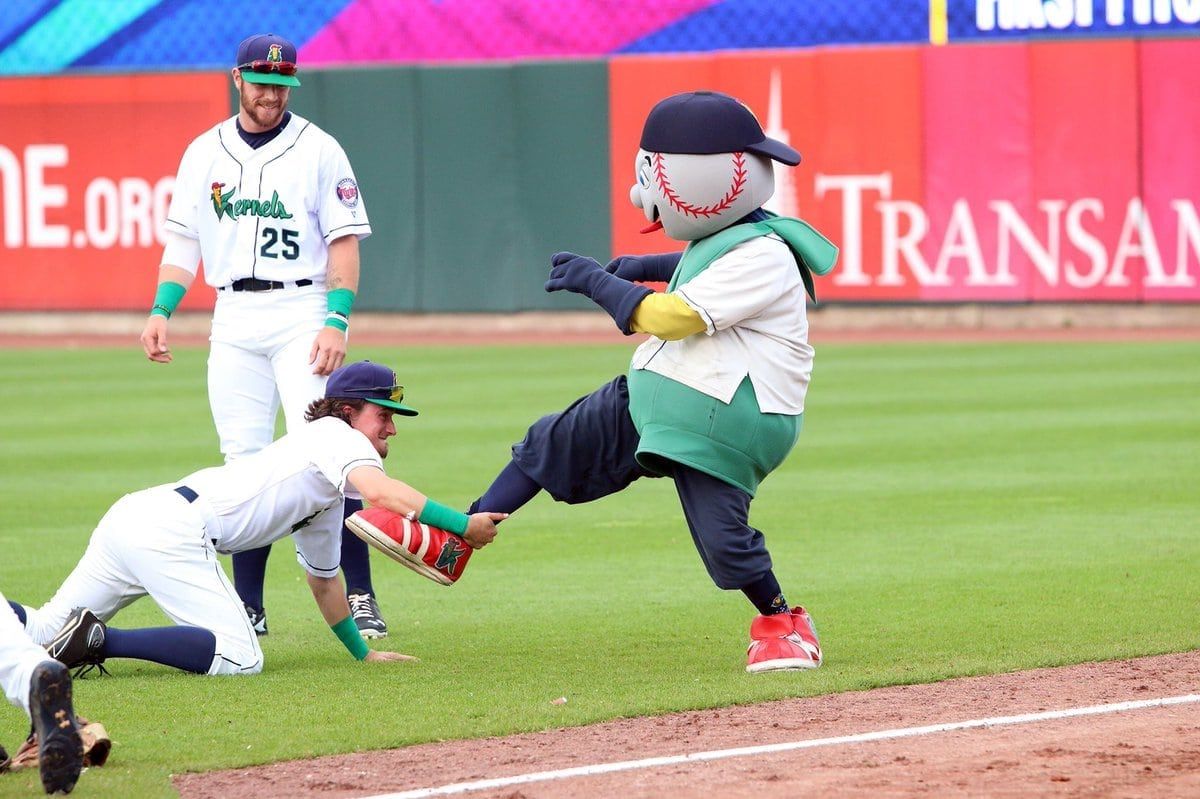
(697, 211)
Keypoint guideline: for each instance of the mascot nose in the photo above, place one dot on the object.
(635, 197)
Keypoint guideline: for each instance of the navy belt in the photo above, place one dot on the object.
(254, 284)
(187, 493)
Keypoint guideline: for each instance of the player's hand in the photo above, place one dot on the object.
(576, 273)
(328, 350)
(481, 529)
(154, 339)
(377, 656)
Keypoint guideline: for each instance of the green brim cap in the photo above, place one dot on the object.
(403, 410)
(277, 80)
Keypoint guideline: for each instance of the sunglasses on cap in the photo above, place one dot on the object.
(396, 392)
(265, 67)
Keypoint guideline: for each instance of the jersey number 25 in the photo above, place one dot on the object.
(287, 239)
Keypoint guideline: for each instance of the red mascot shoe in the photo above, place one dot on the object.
(431, 551)
(783, 642)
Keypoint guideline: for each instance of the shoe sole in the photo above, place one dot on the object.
(382, 541)
(372, 634)
(60, 750)
(783, 664)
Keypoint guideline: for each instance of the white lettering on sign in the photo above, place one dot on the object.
(1087, 262)
(1023, 15)
(126, 211)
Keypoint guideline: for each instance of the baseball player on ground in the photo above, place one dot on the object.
(163, 542)
(41, 686)
(269, 202)
(714, 398)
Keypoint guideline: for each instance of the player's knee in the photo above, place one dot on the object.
(237, 656)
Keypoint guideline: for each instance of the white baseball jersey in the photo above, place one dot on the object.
(752, 302)
(268, 213)
(157, 543)
(294, 486)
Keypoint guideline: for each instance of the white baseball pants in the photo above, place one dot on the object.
(19, 656)
(154, 543)
(261, 343)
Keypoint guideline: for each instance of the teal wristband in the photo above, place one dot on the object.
(339, 302)
(438, 515)
(167, 298)
(347, 632)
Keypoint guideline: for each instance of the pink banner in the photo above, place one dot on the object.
(1170, 117)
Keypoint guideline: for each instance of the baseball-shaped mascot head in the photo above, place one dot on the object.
(704, 163)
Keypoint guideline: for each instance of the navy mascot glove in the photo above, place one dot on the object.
(583, 275)
(650, 268)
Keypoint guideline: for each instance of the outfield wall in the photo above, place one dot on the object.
(1002, 172)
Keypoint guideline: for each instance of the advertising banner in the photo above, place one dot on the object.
(992, 172)
(87, 165)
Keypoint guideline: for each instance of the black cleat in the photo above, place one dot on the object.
(80, 641)
(258, 620)
(60, 749)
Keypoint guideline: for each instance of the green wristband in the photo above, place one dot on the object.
(347, 632)
(167, 298)
(438, 515)
(339, 302)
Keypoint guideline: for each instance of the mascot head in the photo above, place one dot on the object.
(704, 163)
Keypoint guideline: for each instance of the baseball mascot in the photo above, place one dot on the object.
(715, 397)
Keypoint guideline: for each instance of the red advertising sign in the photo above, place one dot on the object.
(1002, 172)
(86, 170)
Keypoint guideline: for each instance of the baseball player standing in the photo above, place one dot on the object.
(269, 202)
(163, 541)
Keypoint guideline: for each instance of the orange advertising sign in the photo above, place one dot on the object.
(87, 166)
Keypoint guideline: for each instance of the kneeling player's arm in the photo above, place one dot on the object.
(385, 492)
(331, 599)
(666, 316)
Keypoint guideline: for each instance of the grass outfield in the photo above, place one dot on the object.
(950, 510)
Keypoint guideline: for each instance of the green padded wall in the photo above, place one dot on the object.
(472, 177)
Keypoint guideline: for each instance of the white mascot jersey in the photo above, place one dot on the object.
(696, 195)
(268, 213)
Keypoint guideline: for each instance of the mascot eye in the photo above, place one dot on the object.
(643, 175)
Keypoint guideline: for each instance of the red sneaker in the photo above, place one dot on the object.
(431, 551)
(783, 642)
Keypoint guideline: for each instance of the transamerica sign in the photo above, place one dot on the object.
(1000, 172)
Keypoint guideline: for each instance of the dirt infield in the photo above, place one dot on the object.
(1149, 751)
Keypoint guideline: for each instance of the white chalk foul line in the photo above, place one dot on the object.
(721, 754)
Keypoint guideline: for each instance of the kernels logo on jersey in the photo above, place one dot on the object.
(87, 167)
(225, 206)
(1008, 172)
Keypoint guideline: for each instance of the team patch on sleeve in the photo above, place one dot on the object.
(347, 192)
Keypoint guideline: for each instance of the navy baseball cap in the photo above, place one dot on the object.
(704, 123)
(368, 381)
(267, 58)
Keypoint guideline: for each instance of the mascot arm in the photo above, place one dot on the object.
(666, 316)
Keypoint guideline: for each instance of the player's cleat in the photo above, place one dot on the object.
(80, 641)
(60, 749)
(258, 620)
(431, 551)
(782, 642)
(365, 611)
